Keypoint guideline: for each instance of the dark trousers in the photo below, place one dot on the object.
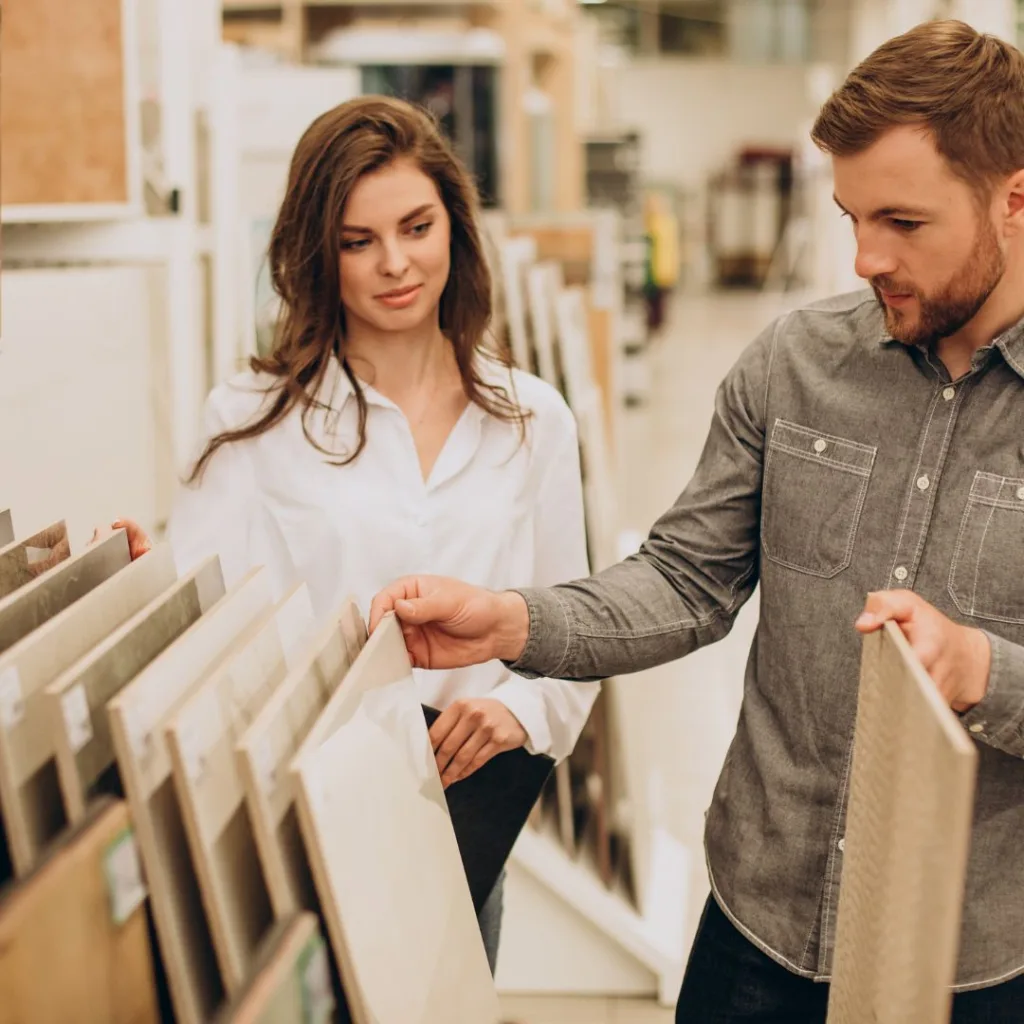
(728, 979)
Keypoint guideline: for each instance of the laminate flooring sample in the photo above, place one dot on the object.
(291, 980)
(29, 786)
(137, 717)
(906, 845)
(384, 855)
(265, 750)
(76, 700)
(22, 561)
(74, 939)
(6, 528)
(201, 735)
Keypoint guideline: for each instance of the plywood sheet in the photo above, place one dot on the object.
(137, 716)
(265, 750)
(22, 561)
(201, 736)
(62, 106)
(291, 980)
(76, 700)
(74, 941)
(906, 845)
(384, 854)
(29, 787)
(6, 528)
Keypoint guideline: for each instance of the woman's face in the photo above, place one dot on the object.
(395, 258)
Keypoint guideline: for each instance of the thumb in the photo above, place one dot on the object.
(891, 605)
(418, 611)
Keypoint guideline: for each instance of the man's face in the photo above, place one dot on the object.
(926, 246)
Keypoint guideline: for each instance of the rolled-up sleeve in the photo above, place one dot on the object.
(998, 719)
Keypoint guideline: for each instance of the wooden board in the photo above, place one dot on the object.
(543, 283)
(29, 787)
(201, 736)
(383, 852)
(77, 698)
(74, 940)
(516, 256)
(905, 851)
(22, 561)
(291, 980)
(265, 750)
(6, 528)
(62, 106)
(137, 715)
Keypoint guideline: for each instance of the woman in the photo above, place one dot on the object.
(379, 438)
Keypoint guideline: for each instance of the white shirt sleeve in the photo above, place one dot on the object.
(554, 711)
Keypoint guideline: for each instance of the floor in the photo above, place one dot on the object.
(687, 710)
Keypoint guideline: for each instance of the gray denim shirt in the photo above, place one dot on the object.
(838, 462)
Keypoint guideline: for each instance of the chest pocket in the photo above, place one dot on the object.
(812, 498)
(986, 578)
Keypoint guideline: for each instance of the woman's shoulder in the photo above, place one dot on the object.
(548, 410)
(240, 399)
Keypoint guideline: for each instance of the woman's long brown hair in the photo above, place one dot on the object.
(339, 147)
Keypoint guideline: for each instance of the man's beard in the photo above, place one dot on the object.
(944, 314)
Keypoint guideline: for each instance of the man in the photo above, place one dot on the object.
(870, 447)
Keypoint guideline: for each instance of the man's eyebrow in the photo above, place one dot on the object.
(411, 215)
(902, 212)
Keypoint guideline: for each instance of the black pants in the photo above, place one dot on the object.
(730, 981)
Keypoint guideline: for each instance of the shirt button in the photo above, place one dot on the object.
(820, 445)
(923, 483)
(901, 573)
(842, 844)
(977, 727)
(949, 394)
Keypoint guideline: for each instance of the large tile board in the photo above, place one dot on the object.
(74, 939)
(265, 750)
(201, 736)
(137, 715)
(906, 845)
(22, 561)
(6, 528)
(29, 787)
(77, 699)
(383, 852)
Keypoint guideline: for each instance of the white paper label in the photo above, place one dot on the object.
(124, 876)
(266, 766)
(197, 739)
(315, 980)
(77, 720)
(12, 704)
(138, 736)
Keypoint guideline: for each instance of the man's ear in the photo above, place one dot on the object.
(1013, 211)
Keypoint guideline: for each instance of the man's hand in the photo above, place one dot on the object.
(469, 733)
(450, 624)
(138, 542)
(957, 657)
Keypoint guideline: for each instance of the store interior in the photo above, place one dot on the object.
(650, 201)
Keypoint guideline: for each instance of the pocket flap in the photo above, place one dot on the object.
(992, 489)
(819, 447)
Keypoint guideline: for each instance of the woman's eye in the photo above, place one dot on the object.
(355, 244)
(421, 229)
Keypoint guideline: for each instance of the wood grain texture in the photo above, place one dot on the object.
(62, 105)
(906, 845)
(385, 860)
(290, 982)
(6, 528)
(62, 955)
(265, 750)
(29, 787)
(201, 736)
(22, 561)
(77, 698)
(137, 717)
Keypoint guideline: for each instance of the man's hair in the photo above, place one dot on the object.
(965, 88)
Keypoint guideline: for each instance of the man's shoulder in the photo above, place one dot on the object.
(843, 319)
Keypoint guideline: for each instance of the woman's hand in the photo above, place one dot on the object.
(138, 542)
(469, 733)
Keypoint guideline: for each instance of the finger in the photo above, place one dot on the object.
(890, 605)
(138, 541)
(454, 741)
(435, 607)
(482, 757)
(461, 763)
(384, 602)
(444, 724)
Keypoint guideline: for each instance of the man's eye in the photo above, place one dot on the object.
(906, 225)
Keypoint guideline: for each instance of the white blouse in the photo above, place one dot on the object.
(493, 512)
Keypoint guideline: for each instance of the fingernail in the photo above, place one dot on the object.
(865, 620)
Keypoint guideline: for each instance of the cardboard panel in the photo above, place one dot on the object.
(137, 717)
(77, 698)
(201, 736)
(906, 845)
(6, 528)
(264, 752)
(29, 787)
(22, 561)
(291, 980)
(74, 939)
(384, 855)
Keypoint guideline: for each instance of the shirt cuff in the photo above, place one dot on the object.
(549, 639)
(996, 718)
(528, 705)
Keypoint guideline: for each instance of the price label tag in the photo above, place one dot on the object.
(124, 876)
(12, 702)
(77, 719)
